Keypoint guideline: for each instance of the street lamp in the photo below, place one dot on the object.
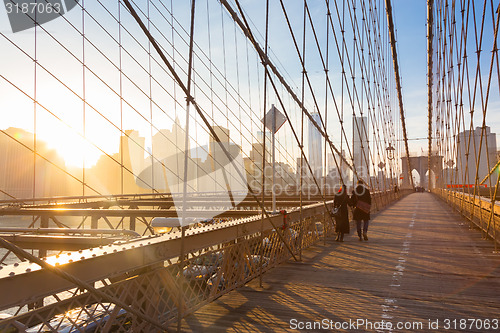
(390, 152)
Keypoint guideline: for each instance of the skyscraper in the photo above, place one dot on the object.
(470, 147)
(361, 153)
(314, 147)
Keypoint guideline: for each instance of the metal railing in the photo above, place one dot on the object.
(151, 282)
(480, 211)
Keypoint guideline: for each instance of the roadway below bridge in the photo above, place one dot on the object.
(423, 269)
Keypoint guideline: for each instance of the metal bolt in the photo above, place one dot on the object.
(28, 269)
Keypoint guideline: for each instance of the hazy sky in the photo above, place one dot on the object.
(67, 119)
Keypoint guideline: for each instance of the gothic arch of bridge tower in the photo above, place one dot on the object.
(421, 165)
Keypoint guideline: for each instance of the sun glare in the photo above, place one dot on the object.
(74, 149)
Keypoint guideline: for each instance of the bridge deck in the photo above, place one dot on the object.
(421, 263)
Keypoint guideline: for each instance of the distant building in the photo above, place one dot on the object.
(467, 166)
(315, 157)
(334, 173)
(24, 174)
(255, 166)
(169, 142)
(361, 155)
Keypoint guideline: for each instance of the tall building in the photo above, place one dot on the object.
(361, 153)
(169, 142)
(25, 175)
(467, 166)
(334, 172)
(315, 157)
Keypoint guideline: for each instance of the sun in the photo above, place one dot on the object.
(75, 149)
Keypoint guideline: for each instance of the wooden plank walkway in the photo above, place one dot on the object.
(422, 268)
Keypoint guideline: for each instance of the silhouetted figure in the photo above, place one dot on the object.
(361, 202)
(342, 219)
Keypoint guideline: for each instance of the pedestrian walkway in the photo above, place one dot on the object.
(422, 269)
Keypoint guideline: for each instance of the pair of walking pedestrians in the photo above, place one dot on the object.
(360, 201)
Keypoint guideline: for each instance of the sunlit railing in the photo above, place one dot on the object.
(477, 209)
(141, 284)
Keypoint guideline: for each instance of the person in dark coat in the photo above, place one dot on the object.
(342, 219)
(361, 202)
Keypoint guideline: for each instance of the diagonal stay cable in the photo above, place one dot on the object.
(390, 22)
(190, 98)
(285, 112)
(282, 80)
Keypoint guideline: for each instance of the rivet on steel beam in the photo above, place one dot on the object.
(79, 251)
(16, 264)
(12, 273)
(105, 252)
(115, 250)
(94, 255)
(82, 257)
(28, 270)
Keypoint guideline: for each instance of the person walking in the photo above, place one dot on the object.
(342, 217)
(361, 202)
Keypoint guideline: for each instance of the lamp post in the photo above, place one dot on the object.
(390, 152)
(390, 156)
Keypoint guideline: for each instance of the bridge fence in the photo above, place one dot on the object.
(141, 285)
(482, 212)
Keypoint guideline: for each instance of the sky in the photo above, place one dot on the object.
(94, 129)
(410, 20)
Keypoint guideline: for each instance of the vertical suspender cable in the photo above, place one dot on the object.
(430, 23)
(186, 157)
(203, 118)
